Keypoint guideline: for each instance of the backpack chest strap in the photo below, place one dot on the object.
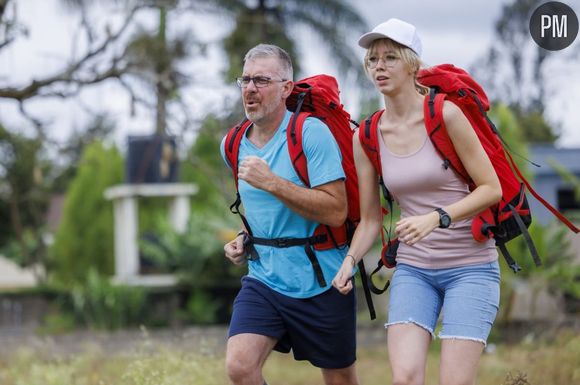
(290, 242)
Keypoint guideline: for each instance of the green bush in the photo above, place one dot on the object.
(196, 255)
(99, 304)
(201, 308)
(57, 323)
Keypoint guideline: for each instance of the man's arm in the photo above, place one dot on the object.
(325, 203)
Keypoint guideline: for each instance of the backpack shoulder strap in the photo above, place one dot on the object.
(232, 145)
(437, 132)
(368, 136)
(369, 139)
(433, 110)
(295, 147)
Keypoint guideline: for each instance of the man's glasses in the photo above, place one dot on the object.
(259, 81)
(389, 59)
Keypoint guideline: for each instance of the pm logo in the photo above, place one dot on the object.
(554, 26)
(557, 24)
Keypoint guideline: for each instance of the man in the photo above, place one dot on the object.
(282, 305)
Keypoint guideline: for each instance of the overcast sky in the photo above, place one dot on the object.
(453, 31)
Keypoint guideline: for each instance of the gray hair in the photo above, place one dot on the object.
(269, 50)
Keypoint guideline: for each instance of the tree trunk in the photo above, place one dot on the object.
(17, 226)
(162, 92)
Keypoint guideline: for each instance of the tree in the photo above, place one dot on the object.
(513, 56)
(24, 182)
(514, 136)
(157, 59)
(535, 127)
(85, 236)
(513, 69)
(101, 59)
(100, 55)
(205, 167)
(276, 21)
(31, 176)
(71, 152)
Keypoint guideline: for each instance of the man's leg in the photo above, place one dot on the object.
(245, 356)
(322, 330)
(344, 376)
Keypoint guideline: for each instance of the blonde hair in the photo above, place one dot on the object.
(407, 55)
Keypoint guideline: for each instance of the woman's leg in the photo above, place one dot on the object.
(459, 360)
(408, 345)
(414, 306)
(470, 306)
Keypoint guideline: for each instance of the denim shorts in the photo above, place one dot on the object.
(467, 298)
(320, 329)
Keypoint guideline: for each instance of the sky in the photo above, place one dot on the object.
(452, 31)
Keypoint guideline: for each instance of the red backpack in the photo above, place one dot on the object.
(316, 96)
(503, 221)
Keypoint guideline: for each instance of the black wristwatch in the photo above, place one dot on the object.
(444, 218)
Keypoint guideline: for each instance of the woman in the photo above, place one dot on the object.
(440, 267)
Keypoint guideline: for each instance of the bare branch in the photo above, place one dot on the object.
(9, 27)
(6, 42)
(36, 123)
(85, 24)
(3, 5)
(70, 75)
(135, 99)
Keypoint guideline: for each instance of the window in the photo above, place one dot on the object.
(567, 200)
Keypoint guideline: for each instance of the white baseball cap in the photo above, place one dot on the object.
(394, 29)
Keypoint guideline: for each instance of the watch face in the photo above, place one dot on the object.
(445, 220)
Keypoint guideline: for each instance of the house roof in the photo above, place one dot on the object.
(543, 154)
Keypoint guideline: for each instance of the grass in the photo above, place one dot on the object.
(554, 360)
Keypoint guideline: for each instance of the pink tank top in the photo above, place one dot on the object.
(419, 184)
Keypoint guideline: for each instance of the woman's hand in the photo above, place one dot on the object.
(343, 279)
(411, 230)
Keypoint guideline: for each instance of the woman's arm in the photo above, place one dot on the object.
(476, 163)
(371, 218)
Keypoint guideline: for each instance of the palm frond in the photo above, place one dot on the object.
(229, 7)
(342, 54)
(337, 13)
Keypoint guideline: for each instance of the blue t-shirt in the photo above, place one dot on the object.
(288, 270)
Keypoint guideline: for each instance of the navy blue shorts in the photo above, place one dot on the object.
(321, 329)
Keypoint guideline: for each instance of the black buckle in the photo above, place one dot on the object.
(251, 252)
(282, 242)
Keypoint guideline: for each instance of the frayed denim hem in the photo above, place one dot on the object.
(463, 338)
(411, 321)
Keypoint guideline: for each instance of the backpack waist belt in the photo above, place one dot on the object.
(290, 242)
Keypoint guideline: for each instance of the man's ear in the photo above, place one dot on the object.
(287, 89)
